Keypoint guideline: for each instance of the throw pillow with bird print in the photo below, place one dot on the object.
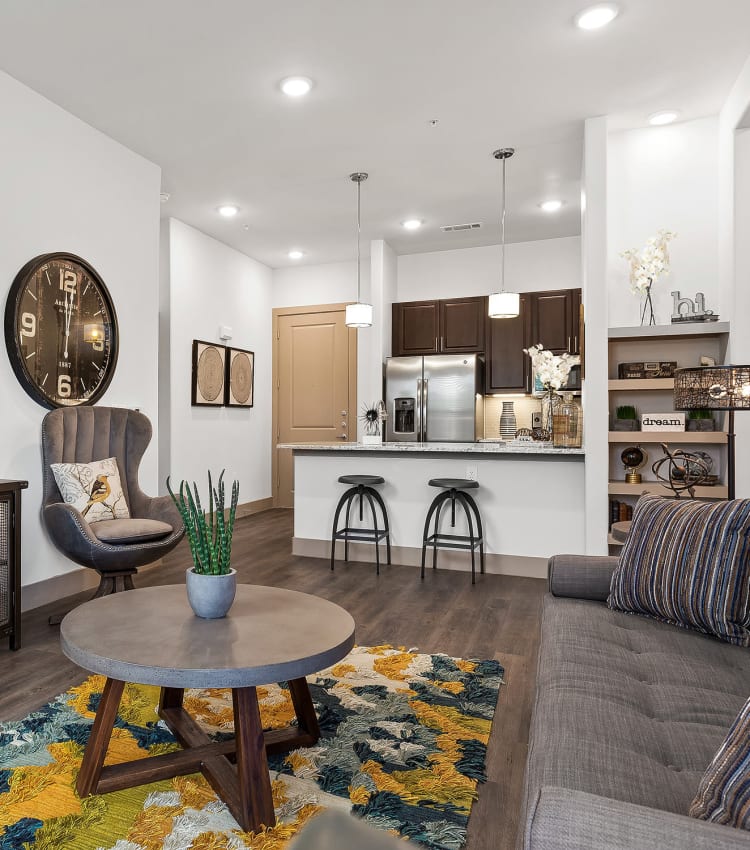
(92, 488)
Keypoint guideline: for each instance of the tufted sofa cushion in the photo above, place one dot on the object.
(629, 708)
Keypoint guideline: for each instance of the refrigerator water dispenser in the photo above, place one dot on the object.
(403, 415)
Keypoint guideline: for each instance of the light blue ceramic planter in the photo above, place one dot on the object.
(209, 596)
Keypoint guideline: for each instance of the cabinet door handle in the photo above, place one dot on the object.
(436, 344)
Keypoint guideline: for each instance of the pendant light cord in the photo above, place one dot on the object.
(359, 229)
(502, 237)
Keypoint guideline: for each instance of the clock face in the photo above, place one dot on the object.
(61, 331)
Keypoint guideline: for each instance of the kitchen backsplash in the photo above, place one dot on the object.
(523, 406)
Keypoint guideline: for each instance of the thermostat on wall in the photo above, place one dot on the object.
(225, 332)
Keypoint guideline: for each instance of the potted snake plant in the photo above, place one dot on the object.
(211, 582)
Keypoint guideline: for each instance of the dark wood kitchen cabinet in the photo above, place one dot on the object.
(449, 326)
(507, 367)
(555, 320)
(10, 560)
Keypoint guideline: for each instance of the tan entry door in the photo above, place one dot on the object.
(315, 365)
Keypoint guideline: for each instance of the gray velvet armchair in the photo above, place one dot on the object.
(114, 548)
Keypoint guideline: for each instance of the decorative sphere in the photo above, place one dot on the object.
(632, 457)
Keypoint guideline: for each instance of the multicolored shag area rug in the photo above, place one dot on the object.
(403, 746)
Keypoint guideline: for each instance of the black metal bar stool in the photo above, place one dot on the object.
(363, 486)
(454, 491)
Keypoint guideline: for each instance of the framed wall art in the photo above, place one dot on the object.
(209, 374)
(240, 377)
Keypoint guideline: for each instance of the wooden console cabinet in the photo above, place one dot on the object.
(10, 560)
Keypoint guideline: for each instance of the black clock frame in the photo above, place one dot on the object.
(15, 355)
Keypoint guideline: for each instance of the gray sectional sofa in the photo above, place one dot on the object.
(628, 714)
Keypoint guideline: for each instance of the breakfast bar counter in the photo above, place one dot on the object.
(531, 499)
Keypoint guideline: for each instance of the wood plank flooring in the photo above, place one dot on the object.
(497, 618)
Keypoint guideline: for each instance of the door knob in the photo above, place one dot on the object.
(341, 437)
(343, 412)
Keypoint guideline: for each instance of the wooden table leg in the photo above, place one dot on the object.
(170, 698)
(304, 708)
(255, 800)
(101, 731)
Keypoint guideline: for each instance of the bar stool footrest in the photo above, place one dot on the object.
(453, 541)
(363, 535)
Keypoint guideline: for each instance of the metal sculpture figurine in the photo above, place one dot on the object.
(685, 470)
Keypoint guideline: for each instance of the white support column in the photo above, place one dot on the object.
(375, 342)
(595, 399)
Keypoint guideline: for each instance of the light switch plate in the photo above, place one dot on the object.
(536, 419)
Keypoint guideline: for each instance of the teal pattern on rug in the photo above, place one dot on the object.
(403, 746)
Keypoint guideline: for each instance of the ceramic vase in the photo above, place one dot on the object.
(211, 596)
(508, 421)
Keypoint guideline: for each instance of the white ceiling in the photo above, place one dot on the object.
(192, 86)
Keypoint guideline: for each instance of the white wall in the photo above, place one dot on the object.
(68, 187)
(664, 178)
(734, 252)
(529, 266)
(329, 283)
(210, 285)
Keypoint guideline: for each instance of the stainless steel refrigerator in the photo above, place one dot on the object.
(433, 398)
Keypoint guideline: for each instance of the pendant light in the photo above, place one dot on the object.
(504, 305)
(358, 315)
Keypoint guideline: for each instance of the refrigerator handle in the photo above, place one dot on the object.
(425, 387)
(418, 411)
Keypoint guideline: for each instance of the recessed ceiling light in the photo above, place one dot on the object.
(597, 16)
(412, 224)
(296, 255)
(659, 119)
(296, 86)
(228, 210)
(553, 205)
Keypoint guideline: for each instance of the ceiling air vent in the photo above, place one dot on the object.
(455, 228)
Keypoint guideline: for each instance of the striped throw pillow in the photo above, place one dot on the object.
(724, 792)
(688, 563)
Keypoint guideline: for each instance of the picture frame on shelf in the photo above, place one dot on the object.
(239, 381)
(208, 378)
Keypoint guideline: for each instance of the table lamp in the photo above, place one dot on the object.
(715, 388)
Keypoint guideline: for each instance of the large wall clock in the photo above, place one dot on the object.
(61, 331)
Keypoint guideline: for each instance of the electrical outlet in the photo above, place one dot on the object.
(471, 473)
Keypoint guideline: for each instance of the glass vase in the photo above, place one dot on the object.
(508, 421)
(549, 399)
(567, 423)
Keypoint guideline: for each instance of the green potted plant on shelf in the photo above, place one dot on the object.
(700, 420)
(626, 418)
(211, 582)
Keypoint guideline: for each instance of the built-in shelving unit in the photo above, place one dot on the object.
(631, 385)
(717, 438)
(622, 488)
(680, 343)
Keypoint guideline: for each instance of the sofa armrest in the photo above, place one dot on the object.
(581, 576)
(563, 819)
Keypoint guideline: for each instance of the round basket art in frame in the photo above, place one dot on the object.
(209, 374)
(240, 377)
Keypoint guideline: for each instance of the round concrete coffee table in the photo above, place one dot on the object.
(152, 637)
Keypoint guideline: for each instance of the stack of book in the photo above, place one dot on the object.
(619, 512)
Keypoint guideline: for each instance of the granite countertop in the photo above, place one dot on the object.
(486, 447)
